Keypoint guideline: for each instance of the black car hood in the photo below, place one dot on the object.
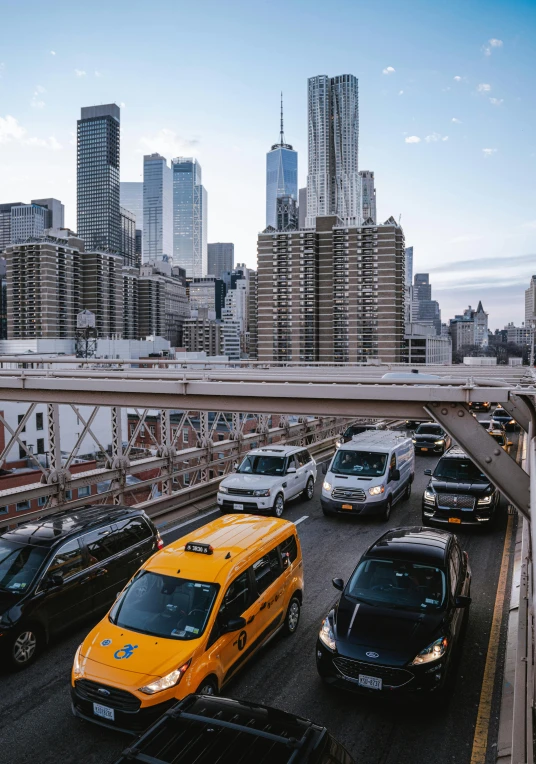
(418, 436)
(451, 486)
(396, 636)
(8, 600)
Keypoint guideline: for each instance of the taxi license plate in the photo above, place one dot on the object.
(104, 712)
(372, 682)
(455, 520)
(424, 449)
(238, 506)
(346, 506)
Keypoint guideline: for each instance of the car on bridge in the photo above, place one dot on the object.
(357, 429)
(458, 492)
(431, 438)
(501, 416)
(189, 620)
(399, 621)
(58, 570)
(267, 479)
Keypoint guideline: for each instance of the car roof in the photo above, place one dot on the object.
(233, 539)
(430, 424)
(274, 451)
(375, 440)
(415, 544)
(53, 529)
(455, 452)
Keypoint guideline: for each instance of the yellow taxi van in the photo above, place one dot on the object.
(189, 619)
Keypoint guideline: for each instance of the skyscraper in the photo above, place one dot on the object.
(189, 217)
(99, 221)
(220, 258)
(302, 209)
(131, 197)
(333, 182)
(368, 195)
(128, 237)
(157, 208)
(20, 221)
(281, 174)
(409, 266)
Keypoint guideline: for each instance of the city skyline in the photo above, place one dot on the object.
(474, 94)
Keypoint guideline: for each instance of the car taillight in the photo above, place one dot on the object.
(159, 541)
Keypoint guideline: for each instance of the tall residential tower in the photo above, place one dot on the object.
(189, 217)
(157, 208)
(281, 174)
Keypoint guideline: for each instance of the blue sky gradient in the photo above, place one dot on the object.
(204, 79)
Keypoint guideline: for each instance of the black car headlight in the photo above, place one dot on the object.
(326, 634)
(433, 652)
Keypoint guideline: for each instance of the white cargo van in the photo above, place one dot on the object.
(369, 474)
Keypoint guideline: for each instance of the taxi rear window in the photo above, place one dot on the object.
(165, 606)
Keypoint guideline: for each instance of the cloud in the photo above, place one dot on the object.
(486, 263)
(167, 143)
(400, 92)
(434, 137)
(98, 74)
(457, 78)
(483, 87)
(413, 139)
(80, 72)
(122, 105)
(2, 68)
(531, 224)
(456, 121)
(389, 70)
(12, 132)
(493, 43)
(37, 102)
(465, 239)
(489, 152)
(52, 52)
(496, 101)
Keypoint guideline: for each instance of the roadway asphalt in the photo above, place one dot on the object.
(36, 724)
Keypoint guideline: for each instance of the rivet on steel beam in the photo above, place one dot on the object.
(444, 411)
(488, 459)
(497, 452)
(461, 413)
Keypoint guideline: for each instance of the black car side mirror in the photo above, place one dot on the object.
(427, 472)
(338, 583)
(55, 579)
(462, 601)
(234, 624)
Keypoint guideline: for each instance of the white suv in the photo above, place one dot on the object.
(267, 479)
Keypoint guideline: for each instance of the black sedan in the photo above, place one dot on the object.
(431, 438)
(398, 622)
(501, 416)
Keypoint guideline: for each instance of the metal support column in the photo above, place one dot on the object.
(56, 475)
(119, 462)
(166, 450)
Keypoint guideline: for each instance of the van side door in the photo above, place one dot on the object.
(393, 484)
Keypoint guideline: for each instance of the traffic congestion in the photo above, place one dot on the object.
(194, 610)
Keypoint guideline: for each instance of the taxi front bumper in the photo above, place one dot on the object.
(130, 721)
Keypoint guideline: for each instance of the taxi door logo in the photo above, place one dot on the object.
(125, 652)
(242, 639)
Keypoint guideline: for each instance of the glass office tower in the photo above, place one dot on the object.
(99, 220)
(131, 197)
(281, 174)
(189, 217)
(157, 208)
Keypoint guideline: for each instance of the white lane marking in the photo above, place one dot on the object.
(353, 619)
(192, 520)
(297, 522)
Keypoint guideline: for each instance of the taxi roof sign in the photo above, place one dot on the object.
(200, 548)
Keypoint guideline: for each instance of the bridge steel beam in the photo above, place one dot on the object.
(503, 471)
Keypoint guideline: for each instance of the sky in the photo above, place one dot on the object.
(447, 114)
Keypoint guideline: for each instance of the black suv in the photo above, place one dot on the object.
(56, 571)
(203, 729)
(458, 493)
(432, 438)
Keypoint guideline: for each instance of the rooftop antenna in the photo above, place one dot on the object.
(281, 132)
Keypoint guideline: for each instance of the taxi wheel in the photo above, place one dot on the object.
(309, 491)
(207, 687)
(279, 505)
(25, 646)
(292, 617)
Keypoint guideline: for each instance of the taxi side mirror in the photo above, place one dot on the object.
(338, 583)
(234, 624)
(427, 472)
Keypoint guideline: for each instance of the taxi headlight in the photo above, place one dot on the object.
(376, 490)
(76, 662)
(266, 492)
(326, 634)
(433, 652)
(223, 489)
(326, 486)
(484, 500)
(170, 680)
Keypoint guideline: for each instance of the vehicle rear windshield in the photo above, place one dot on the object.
(429, 429)
(460, 471)
(262, 465)
(165, 606)
(19, 565)
(398, 584)
(362, 463)
(502, 414)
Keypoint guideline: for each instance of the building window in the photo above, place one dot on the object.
(185, 434)
(41, 501)
(40, 445)
(22, 450)
(20, 418)
(85, 491)
(39, 423)
(186, 478)
(22, 505)
(68, 495)
(4, 510)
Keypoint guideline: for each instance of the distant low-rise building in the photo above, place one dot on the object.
(469, 328)
(519, 335)
(424, 346)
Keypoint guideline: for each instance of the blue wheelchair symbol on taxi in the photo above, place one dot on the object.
(124, 652)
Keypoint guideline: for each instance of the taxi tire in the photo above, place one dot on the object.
(35, 636)
(211, 683)
(292, 617)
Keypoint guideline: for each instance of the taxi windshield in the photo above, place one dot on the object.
(398, 584)
(19, 565)
(361, 463)
(262, 465)
(165, 606)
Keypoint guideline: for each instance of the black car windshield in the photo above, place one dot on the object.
(398, 584)
(362, 463)
(459, 471)
(165, 606)
(429, 429)
(19, 565)
(257, 464)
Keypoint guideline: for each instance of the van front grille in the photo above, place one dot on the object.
(351, 494)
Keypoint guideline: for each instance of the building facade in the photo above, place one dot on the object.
(333, 182)
(202, 333)
(281, 174)
(157, 208)
(368, 195)
(530, 303)
(409, 266)
(162, 302)
(189, 217)
(424, 346)
(220, 258)
(469, 328)
(423, 308)
(287, 214)
(334, 293)
(519, 335)
(207, 292)
(302, 207)
(128, 237)
(131, 197)
(98, 160)
(102, 291)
